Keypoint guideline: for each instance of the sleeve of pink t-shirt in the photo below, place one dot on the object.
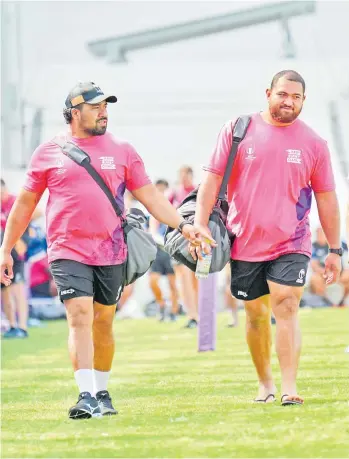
(36, 176)
(136, 176)
(322, 178)
(219, 157)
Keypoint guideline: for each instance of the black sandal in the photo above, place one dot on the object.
(289, 402)
(264, 400)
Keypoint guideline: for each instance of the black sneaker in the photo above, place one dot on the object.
(191, 324)
(105, 404)
(87, 407)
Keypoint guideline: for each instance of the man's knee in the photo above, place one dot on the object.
(79, 312)
(286, 306)
(257, 311)
(103, 320)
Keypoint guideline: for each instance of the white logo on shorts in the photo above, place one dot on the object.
(68, 292)
(301, 276)
(244, 294)
(107, 162)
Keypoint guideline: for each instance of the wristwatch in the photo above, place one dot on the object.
(337, 251)
(182, 223)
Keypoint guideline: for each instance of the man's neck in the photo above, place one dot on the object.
(266, 116)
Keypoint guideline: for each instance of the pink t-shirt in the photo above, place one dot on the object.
(270, 188)
(6, 207)
(81, 223)
(179, 194)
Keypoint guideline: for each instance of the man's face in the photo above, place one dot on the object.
(285, 100)
(185, 177)
(161, 187)
(93, 119)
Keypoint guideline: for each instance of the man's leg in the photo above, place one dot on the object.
(285, 303)
(259, 340)
(344, 280)
(21, 303)
(174, 293)
(103, 343)
(8, 305)
(75, 285)
(108, 283)
(80, 319)
(231, 303)
(189, 290)
(154, 278)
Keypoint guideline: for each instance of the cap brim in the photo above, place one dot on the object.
(96, 100)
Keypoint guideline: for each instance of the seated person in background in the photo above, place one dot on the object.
(317, 281)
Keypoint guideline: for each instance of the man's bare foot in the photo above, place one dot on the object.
(266, 394)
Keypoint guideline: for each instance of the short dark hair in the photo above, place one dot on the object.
(162, 182)
(290, 75)
(3, 182)
(187, 169)
(67, 113)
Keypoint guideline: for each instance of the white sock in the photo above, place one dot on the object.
(84, 380)
(100, 380)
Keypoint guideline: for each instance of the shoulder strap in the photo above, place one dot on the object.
(82, 159)
(239, 132)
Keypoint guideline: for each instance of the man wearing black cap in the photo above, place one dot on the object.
(86, 246)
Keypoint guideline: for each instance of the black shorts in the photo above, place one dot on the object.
(18, 272)
(162, 263)
(249, 279)
(73, 279)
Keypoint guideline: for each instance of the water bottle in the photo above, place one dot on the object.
(203, 266)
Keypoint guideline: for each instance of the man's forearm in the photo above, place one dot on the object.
(328, 209)
(158, 206)
(206, 198)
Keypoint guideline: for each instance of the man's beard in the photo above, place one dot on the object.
(97, 130)
(278, 114)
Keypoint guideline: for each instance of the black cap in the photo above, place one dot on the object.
(87, 93)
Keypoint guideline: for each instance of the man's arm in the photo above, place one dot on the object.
(206, 198)
(158, 205)
(19, 218)
(328, 209)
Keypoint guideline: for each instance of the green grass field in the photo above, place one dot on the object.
(174, 402)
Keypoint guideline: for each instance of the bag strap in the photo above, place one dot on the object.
(82, 159)
(239, 132)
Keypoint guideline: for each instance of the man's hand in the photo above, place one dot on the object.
(333, 268)
(198, 237)
(6, 264)
(204, 245)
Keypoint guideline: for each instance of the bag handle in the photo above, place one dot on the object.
(239, 132)
(82, 159)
